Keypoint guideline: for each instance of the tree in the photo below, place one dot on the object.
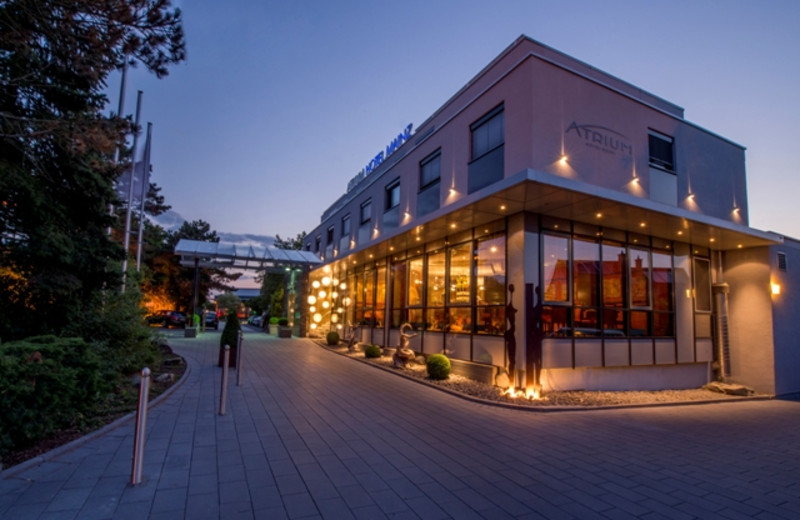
(295, 243)
(57, 173)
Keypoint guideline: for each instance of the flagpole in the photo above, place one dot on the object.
(127, 240)
(120, 108)
(145, 189)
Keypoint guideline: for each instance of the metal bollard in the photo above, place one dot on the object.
(141, 427)
(239, 360)
(223, 394)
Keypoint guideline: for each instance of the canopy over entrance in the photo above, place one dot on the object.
(218, 255)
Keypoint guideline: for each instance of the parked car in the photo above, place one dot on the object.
(212, 320)
(255, 321)
(167, 319)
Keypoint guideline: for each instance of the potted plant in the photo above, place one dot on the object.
(284, 330)
(191, 329)
(273, 325)
(332, 339)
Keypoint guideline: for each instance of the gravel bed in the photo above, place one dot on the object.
(479, 390)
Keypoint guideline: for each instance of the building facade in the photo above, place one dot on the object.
(552, 226)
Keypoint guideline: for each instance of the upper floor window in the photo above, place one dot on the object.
(662, 152)
(366, 211)
(346, 225)
(329, 238)
(393, 194)
(317, 243)
(430, 170)
(487, 133)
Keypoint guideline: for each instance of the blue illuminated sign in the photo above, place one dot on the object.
(381, 156)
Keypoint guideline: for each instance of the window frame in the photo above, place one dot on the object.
(498, 111)
(391, 191)
(660, 162)
(435, 156)
(366, 205)
(346, 226)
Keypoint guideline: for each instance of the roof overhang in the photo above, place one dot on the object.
(564, 198)
(219, 255)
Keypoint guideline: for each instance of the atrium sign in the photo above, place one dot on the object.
(602, 138)
(381, 156)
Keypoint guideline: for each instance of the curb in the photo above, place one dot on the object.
(76, 443)
(546, 409)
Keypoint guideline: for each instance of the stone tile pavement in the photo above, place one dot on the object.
(311, 434)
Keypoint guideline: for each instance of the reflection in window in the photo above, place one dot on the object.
(639, 265)
(416, 282)
(491, 320)
(460, 319)
(459, 274)
(556, 262)
(556, 321)
(436, 280)
(613, 275)
(702, 285)
(491, 271)
(585, 273)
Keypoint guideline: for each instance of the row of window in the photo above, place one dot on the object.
(487, 145)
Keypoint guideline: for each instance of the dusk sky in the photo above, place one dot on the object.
(281, 103)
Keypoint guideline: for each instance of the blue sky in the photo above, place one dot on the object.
(281, 103)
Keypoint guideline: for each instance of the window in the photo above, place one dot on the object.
(346, 226)
(487, 133)
(605, 288)
(662, 154)
(488, 139)
(782, 262)
(702, 285)
(393, 194)
(366, 211)
(329, 237)
(430, 170)
(429, 181)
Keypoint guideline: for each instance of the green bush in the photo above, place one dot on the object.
(372, 351)
(274, 320)
(283, 322)
(438, 366)
(230, 337)
(46, 384)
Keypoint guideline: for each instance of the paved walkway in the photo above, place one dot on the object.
(311, 434)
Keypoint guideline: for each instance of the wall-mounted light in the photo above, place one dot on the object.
(563, 159)
(776, 289)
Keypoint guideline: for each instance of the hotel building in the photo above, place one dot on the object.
(554, 226)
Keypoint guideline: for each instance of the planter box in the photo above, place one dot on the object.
(190, 332)
(273, 329)
(284, 332)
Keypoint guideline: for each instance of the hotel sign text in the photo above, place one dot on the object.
(381, 156)
(602, 138)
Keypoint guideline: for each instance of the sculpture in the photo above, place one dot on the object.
(352, 344)
(404, 354)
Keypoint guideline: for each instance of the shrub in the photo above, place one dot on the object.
(372, 351)
(274, 320)
(230, 337)
(283, 322)
(438, 366)
(48, 383)
(332, 338)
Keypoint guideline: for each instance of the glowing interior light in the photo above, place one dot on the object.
(776, 289)
(322, 295)
(312, 299)
(312, 309)
(313, 326)
(315, 284)
(334, 318)
(325, 304)
(343, 286)
(334, 295)
(317, 318)
(326, 280)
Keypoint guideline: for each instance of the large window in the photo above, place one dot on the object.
(429, 181)
(346, 225)
(329, 236)
(487, 157)
(594, 288)
(490, 285)
(662, 153)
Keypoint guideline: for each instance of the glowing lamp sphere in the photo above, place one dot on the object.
(334, 318)
(322, 295)
(312, 309)
(325, 304)
(326, 280)
(315, 284)
(334, 295)
(343, 286)
(317, 318)
(313, 326)
(312, 299)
